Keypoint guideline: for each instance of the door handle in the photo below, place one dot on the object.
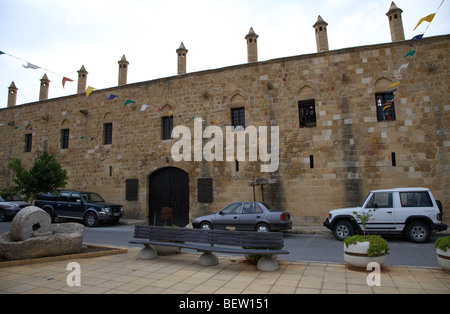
(258, 216)
(389, 212)
(235, 217)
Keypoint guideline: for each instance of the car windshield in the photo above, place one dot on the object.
(9, 198)
(92, 197)
(271, 208)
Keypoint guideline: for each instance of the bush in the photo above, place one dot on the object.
(377, 245)
(443, 243)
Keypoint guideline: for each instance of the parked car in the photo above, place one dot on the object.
(10, 205)
(87, 206)
(248, 216)
(412, 212)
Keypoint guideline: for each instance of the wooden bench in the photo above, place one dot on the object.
(209, 241)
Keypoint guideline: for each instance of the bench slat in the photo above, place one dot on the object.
(209, 237)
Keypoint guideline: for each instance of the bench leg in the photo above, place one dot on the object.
(147, 253)
(208, 259)
(267, 263)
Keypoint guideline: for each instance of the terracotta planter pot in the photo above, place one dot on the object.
(443, 259)
(355, 255)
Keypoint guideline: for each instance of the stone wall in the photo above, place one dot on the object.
(350, 149)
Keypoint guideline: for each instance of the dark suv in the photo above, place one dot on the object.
(87, 206)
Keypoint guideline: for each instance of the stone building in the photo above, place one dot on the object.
(342, 131)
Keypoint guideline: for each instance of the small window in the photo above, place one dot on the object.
(167, 127)
(385, 106)
(205, 190)
(65, 139)
(238, 117)
(233, 209)
(107, 133)
(63, 197)
(415, 199)
(248, 209)
(132, 189)
(307, 113)
(380, 200)
(28, 142)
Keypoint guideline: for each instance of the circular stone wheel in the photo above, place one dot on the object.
(28, 221)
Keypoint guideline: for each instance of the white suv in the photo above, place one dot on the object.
(410, 211)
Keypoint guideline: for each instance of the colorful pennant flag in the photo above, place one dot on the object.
(129, 102)
(144, 107)
(64, 80)
(427, 18)
(89, 90)
(410, 54)
(1, 52)
(30, 66)
(418, 38)
(394, 84)
(111, 97)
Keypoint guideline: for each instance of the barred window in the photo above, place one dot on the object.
(65, 139)
(167, 127)
(28, 142)
(107, 133)
(238, 117)
(307, 113)
(385, 106)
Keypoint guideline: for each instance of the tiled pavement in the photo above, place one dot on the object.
(181, 274)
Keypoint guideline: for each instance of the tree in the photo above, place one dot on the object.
(45, 176)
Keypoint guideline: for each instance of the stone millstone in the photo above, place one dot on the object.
(28, 221)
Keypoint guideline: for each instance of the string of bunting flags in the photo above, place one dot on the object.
(32, 66)
(414, 43)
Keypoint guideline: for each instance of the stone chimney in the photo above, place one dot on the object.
(123, 70)
(252, 46)
(396, 23)
(182, 55)
(321, 34)
(45, 84)
(12, 95)
(82, 80)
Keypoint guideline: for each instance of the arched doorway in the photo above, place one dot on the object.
(169, 197)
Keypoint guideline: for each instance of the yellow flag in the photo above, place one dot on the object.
(394, 84)
(89, 90)
(428, 18)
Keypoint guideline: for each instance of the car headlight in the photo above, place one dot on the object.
(105, 210)
(13, 206)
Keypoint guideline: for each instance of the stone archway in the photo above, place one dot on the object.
(168, 188)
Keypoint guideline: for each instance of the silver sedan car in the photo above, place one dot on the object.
(246, 216)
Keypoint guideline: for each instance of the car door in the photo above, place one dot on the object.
(250, 216)
(228, 217)
(75, 206)
(382, 206)
(60, 207)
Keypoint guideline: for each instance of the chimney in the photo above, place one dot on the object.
(123, 70)
(82, 80)
(182, 55)
(12, 95)
(321, 34)
(252, 46)
(45, 83)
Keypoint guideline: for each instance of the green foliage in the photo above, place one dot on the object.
(443, 243)
(45, 176)
(364, 218)
(377, 245)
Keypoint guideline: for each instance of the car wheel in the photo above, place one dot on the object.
(91, 220)
(206, 226)
(418, 232)
(342, 230)
(262, 228)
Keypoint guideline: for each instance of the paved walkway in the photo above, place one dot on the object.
(181, 274)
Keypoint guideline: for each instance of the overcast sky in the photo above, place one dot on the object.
(63, 35)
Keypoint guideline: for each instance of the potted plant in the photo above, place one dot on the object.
(360, 250)
(443, 252)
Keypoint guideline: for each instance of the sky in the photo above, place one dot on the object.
(61, 36)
